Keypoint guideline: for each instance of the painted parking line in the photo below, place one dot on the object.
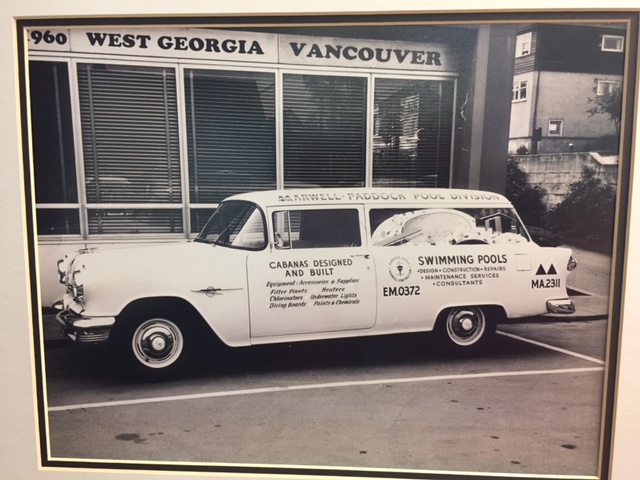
(317, 386)
(551, 347)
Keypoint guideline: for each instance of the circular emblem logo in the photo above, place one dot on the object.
(399, 269)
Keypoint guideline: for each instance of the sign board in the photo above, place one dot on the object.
(385, 54)
(175, 43)
(224, 45)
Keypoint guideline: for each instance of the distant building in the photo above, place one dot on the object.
(558, 70)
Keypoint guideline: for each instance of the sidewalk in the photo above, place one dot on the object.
(588, 287)
(588, 307)
(593, 273)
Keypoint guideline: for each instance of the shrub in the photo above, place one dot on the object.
(585, 217)
(526, 198)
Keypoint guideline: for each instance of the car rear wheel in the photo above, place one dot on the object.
(153, 346)
(466, 330)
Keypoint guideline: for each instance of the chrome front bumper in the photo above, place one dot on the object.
(562, 306)
(83, 329)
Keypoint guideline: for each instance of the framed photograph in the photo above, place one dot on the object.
(381, 244)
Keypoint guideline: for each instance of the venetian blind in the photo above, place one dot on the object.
(230, 133)
(129, 134)
(324, 130)
(412, 132)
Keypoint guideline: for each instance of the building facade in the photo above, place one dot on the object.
(138, 134)
(560, 74)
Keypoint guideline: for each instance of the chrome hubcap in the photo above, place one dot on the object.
(157, 343)
(466, 326)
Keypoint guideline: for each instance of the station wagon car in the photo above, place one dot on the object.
(296, 265)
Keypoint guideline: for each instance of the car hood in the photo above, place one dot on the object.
(153, 264)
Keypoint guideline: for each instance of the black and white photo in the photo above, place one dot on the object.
(348, 245)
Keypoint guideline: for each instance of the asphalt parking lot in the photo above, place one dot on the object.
(531, 405)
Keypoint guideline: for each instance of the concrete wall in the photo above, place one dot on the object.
(555, 173)
(565, 144)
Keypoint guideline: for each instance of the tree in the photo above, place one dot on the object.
(586, 215)
(609, 103)
(526, 198)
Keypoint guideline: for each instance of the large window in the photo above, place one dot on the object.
(130, 148)
(53, 151)
(158, 147)
(412, 132)
(231, 134)
(324, 130)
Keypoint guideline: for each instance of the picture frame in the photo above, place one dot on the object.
(29, 456)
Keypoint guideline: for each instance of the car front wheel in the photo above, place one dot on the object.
(153, 346)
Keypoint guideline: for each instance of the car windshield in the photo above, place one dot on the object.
(235, 224)
(391, 227)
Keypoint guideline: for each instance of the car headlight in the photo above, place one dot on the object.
(75, 287)
(62, 273)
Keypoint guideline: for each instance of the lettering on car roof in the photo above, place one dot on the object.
(388, 196)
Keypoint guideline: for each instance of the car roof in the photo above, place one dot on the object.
(374, 196)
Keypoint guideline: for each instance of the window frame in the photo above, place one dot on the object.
(85, 205)
(272, 212)
(518, 87)
(600, 91)
(522, 40)
(619, 39)
(365, 75)
(77, 206)
(184, 68)
(441, 79)
(560, 129)
(256, 208)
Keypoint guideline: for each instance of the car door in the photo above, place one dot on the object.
(317, 276)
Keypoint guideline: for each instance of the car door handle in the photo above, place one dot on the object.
(365, 255)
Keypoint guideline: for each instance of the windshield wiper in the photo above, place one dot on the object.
(204, 240)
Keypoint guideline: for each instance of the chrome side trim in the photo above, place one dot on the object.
(96, 322)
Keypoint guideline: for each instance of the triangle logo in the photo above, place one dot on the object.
(552, 270)
(541, 271)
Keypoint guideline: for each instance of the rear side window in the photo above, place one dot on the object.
(446, 226)
(325, 228)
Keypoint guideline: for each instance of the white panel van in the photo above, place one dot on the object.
(296, 265)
